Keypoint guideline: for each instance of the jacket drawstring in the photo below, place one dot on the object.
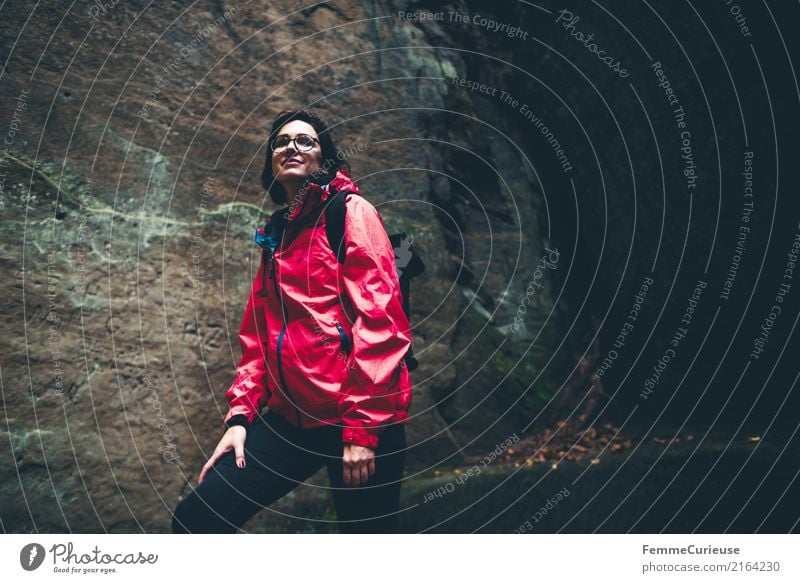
(263, 273)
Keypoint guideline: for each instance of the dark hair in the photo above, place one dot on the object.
(330, 162)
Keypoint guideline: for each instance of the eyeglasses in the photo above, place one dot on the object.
(302, 142)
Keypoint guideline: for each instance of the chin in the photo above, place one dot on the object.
(294, 171)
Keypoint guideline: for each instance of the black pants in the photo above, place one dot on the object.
(279, 457)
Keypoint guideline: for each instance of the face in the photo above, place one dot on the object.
(291, 166)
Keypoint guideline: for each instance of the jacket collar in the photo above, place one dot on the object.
(316, 194)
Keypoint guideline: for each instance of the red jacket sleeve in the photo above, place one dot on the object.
(381, 331)
(248, 393)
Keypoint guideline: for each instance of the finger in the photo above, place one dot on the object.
(346, 475)
(238, 449)
(209, 464)
(205, 470)
(364, 473)
(203, 473)
(371, 466)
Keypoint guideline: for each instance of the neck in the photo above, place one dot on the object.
(293, 188)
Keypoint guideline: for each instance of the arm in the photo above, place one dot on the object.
(381, 331)
(248, 392)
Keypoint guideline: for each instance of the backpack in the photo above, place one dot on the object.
(409, 263)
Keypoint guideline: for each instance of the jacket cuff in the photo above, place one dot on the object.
(360, 436)
(238, 420)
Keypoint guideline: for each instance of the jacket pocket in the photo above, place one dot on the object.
(343, 340)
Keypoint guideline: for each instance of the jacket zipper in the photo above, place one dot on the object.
(280, 343)
(264, 272)
(343, 338)
(286, 391)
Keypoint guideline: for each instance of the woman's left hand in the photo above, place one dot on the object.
(358, 464)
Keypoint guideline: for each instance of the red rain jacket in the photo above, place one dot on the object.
(323, 342)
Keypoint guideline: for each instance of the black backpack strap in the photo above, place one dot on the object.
(334, 223)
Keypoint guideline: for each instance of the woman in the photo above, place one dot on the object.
(322, 346)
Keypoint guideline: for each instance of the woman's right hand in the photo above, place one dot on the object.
(233, 439)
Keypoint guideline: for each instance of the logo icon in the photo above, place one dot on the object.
(31, 556)
(403, 254)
